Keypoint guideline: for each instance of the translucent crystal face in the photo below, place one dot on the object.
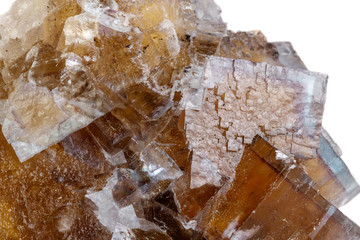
(242, 207)
(149, 120)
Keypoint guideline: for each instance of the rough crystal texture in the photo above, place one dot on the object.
(333, 179)
(73, 79)
(149, 120)
(243, 99)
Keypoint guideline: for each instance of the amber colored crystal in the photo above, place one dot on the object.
(150, 120)
(44, 198)
(251, 46)
(266, 200)
(331, 176)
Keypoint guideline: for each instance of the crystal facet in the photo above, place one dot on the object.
(150, 120)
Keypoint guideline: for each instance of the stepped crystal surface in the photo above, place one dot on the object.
(150, 120)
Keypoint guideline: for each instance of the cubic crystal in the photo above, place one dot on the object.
(150, 120)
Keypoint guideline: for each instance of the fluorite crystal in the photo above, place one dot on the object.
(150, 120)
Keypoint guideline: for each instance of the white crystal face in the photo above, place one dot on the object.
(109, 213)
(244, 99)
(36, 118)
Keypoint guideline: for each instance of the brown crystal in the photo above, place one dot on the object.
(149, 120)
(39, 195)
(266, 200)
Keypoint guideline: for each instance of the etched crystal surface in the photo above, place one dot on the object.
(150, 120)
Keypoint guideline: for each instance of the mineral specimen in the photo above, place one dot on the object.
(150, 120)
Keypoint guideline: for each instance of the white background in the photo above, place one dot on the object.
(326, 35)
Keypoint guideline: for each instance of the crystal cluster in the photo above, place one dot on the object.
(142, 119)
